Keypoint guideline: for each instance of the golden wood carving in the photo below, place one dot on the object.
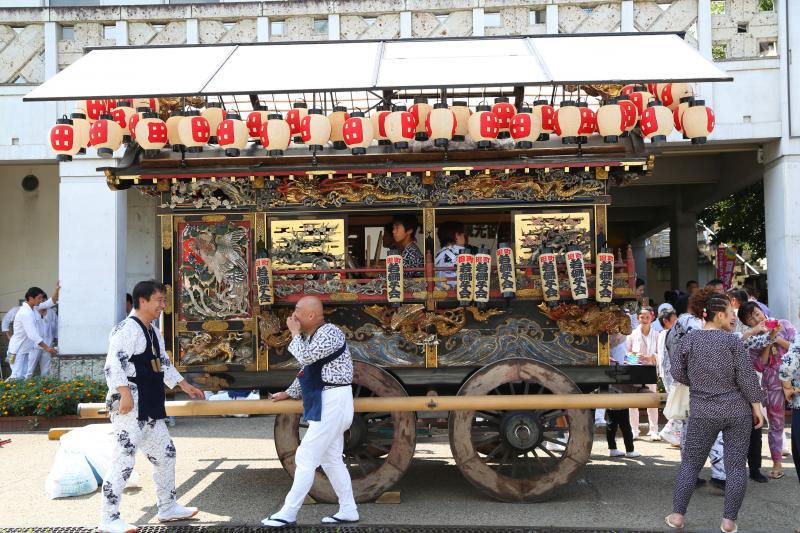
(588, 320)
(214, 218)
(168, 308)
(490, 186)
(270, 332)
(422, 327)
(166, 232)
(344, 297)
(212, 383)
(483, 316)
(335, 192)
(205, 347)
(215, 325)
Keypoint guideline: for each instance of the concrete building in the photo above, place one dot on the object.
(70, 226)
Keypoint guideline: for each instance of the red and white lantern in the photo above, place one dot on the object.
(93, 109)
(275, 135)
(611, 121)
(255, 120)
(656, 122)
(232, 134)
(295, 117)
(440, 125)
(337, 120)
(630, 112)
(194, 131)
(64, 139)
(671, 93)
(588, 123)
(315, 129)
(82, 127)
(677, 113)
(462, 112)
(105, 135)
(504, 111)
(567, 122)
(420, 110)
(698, 122)
(639, 95)
(547, 115)
(214, 114)
(378, 119)
(400, 126)
(525, 128)
(151, 133)
(122, 114)
(358, 133)
(173, 135)
(135, 118)
(483, 127)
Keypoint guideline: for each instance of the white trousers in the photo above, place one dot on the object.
(20, 366)
(652, 416)
(323, 445)
(40, 357)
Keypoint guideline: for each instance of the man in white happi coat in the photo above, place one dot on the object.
(47, 325)
(137, 368)
(26, 336)
(324, 385)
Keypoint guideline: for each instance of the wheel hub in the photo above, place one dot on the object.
(521, 430)
(356, 436)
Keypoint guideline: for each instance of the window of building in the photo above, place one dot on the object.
(110, 31)
(537, 17)
(719, 51)
(321, 26)
(277, 28)
(492, 20)
(67, 33)
(768, 49)
(717, 7)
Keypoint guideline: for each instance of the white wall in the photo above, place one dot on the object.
(750, 106)
(143, 239)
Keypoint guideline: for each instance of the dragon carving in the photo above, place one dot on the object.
(555, 185)
(204, 348)
(309, 190)
(421, 327)
(588, 320)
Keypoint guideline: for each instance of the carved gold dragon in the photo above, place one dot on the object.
(270, 331)
(589, 320)
(486, 186)
(205, 347)
(330, 191)
(421, 327)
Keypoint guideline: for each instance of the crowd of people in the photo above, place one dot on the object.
(32, 332)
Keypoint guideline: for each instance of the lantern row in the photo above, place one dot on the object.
(105, 125)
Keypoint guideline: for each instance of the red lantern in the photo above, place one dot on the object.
(294, 117)
(656, 122)
(64, 140)
(255, 120)
(504, 111)
(105, 135)
(378, 119)
(525, 128)
(567, 122)
(135, 118)
(337, 119)
(151, 133)
(547, 115)
(82, 127)
(122, 114)
(173, 135)
(671, 93)
(483, 127)
(214, 114)
(194, 131)
(420, 110)
(698, 122)
(232, 134)
(588, 123)
(357, 132)
(677, 113)
(611, 120)
(94, 108)
(275, 134)
(400, 126)
(630, 112)
(639, 95)
(462, 113)
(440, 125)
(315, 128)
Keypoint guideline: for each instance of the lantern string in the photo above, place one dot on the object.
(274, 105)
(352, 102)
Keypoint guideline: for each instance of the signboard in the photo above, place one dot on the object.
(264, 282)
(394, 279)
(576, 271)
(465, 279)
(506, 275)
(604, 281)
(483, 269)
(726, 261)
(549, 274)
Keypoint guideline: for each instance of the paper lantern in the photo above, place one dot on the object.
(214, 114)
(698, 122)
(357, 132)
(677, 113)
(64, 139)
(576, 271)
(604, 278)
(548, 273)
(134, 119)
(483, 127)
(295, 118)
(588, 123)
(93, 109)
(315, 129)
(420, 110)
(394, 279)
(440, 124)
(337, 120)
(81, 126)
(611, 121)
(400, 126)
(525, 128)
(105, 135)
(151, 103)
(483, 271)
(465, 278)
(640, 98)
(671, 93)
(151, 133)
(629, 111)
(567, 122)
(504, 111)
(194, 131)
(255, 120)
(275, 134)
(173, 135)
(122, 114)
(378, 119)
(656, 122)
(232, 134)
(547, 115)
(506, 275)
(461, 112)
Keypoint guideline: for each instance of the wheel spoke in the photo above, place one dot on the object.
(494, 452)
(527, 387)
(548, 452)
(539, 459)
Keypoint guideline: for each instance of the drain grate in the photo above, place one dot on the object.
(334, 528)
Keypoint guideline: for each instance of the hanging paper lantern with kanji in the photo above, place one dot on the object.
(548, 274)
(378, 119)
(547, 115)
(105, 135)
(461, 112)
(576, 272)
(639, 95)
(214, 114)
(64, 140)
(93, 109)
(611, 120)
(151, 103)
(629, 111)
(315, 129)
(698, 122)
(82, 127)
(151, 133)
(122, 114)
(420, 110)
(135, 118)
(337, 119)
(358, 133)
(671, 93)
(504, 111)
(677, 113)
(194, 131)
(400, 126)
(604, 277)
(440, 125)
(567, 122)
(275, 134)
(232, 134)
(525, 128)
(483, 128)
(173, 135)
(294, 118)
(255, 120)
(656, 122)
(588, 123)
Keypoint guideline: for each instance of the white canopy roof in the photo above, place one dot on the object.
(265, 68)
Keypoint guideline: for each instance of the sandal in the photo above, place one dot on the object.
(336, 520)
(670, 524)
(734, 530)
(281, 523)
(776, 474)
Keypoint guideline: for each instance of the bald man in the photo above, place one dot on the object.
(324, 385)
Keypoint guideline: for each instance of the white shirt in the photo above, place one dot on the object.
(26, 336)
(618, 353)
(642, 344)
(8, 318)
(47, 325)
(447, 257)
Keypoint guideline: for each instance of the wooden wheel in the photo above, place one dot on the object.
(378, 447)
(526, 455)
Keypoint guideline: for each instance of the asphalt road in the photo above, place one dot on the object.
(228, 468)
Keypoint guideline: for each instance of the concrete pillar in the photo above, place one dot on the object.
(334, 28)
(626, 16)
(262, 29)
(551, 19)
(405, 25)
(91, 257)
(640, 258)
(122, 33)
(192, 31)
(782, 211)
(682, 247)
(478, 24)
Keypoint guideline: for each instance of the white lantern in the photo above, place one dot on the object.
(337, 119)
(122, 114)
(440, 125)
(173, 135)
(656, 122)
(400, 126)
(698, 122)
(378, 119)
(194, 131)
(151, 133)
(81, 126)
(214, 114)
(275, 135)
(105, 135)
(567, 122)
(462, 113)
(63, 139)
(420, 110)
(547, 116)
(525, 128)
(671, 93)
(255, 120)
(315, 128)
(611, 121)
(483, 127)
(294, 118)
(357, 132)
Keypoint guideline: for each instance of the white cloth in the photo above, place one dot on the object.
(447, 257)
(37, 356)
(26, 334)
(662, 361)
(20, 365)
(47, 325)
(8, 318)
(639, 343)
(618, 353)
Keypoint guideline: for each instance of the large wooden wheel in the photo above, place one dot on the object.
(378, 447)
(520, 456)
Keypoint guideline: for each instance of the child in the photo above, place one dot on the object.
(452, 239)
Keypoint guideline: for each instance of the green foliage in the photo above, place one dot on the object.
(44, 396)
(739, 220)
(766, 5)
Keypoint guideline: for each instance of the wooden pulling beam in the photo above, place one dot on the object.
(405, 403)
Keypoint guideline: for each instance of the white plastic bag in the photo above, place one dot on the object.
(71, 475)
(677, 407)
(96, 443)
